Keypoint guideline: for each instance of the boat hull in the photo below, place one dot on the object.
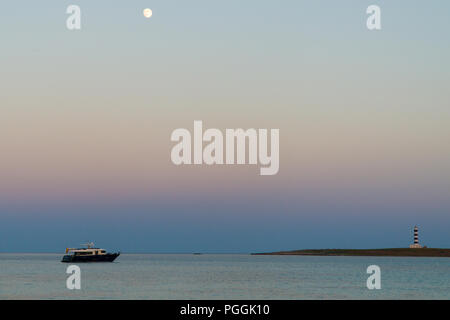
(109, 257)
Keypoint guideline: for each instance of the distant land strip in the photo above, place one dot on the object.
(388, 252)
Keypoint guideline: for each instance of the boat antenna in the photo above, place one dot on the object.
(89, 244)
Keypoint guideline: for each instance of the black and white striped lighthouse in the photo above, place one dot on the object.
(416, 239)
(416, 235)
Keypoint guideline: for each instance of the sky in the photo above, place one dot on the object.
(86, 118)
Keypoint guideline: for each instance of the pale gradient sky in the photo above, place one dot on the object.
(86, 118)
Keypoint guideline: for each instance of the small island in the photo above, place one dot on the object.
(388, 252)
(414, 250)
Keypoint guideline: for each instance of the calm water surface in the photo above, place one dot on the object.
(224, 276)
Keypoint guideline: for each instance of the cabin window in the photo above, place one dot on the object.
(83, 253)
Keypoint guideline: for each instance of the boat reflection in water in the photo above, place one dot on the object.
(89, 254)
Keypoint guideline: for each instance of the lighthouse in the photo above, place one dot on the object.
(416, 239)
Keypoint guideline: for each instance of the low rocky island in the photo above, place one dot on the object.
(388, 252)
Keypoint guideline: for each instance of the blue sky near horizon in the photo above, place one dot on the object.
(86, 118)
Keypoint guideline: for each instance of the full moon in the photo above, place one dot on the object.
(147, 13)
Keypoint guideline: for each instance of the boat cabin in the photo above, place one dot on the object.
(85, 251)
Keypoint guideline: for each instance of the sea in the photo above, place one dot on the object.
(224, 276)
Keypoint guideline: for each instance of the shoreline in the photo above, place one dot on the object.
(386, 252)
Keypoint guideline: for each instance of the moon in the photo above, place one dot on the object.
(147, 13)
